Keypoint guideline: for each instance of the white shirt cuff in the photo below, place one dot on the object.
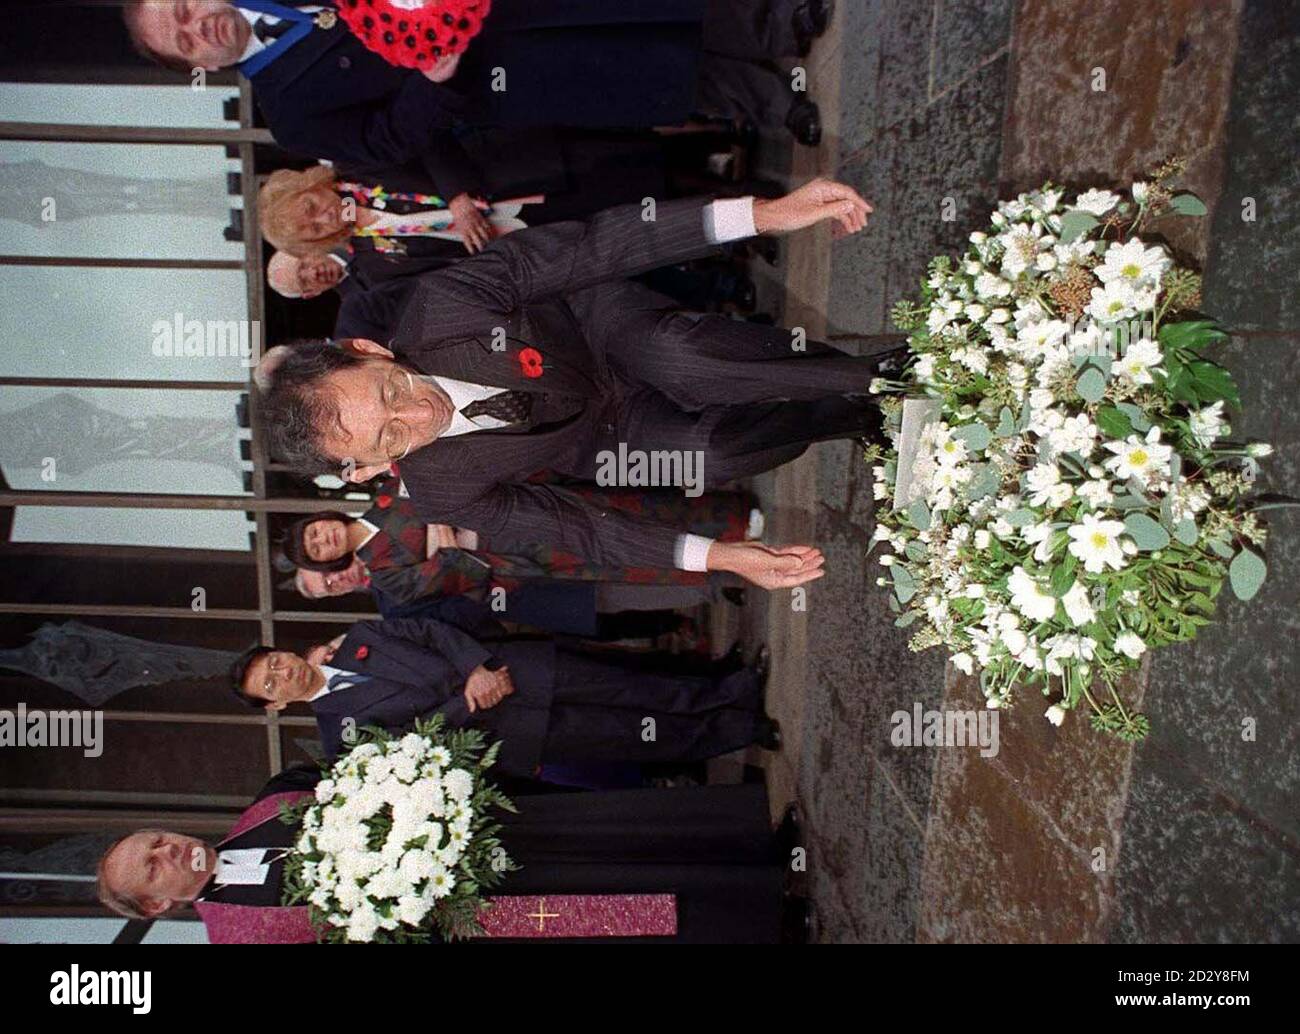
(729, 219)
(692, 553)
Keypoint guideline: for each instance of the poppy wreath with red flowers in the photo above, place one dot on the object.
(414, 37)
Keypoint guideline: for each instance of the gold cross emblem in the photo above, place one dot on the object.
(541, 915)
(326, 19)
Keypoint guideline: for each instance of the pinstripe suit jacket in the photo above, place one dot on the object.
(540, 287)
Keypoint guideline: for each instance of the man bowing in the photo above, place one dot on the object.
(539, 355)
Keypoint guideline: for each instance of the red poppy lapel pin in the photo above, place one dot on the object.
(363, 651)
(384, 501)
(530, 362)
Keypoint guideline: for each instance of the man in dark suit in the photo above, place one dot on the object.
(536, 355)
(547, 704)
(577, 63)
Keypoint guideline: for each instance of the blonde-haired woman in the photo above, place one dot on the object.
(314, 211)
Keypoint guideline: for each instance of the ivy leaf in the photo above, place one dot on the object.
(1061, 580)
(1190, 334)
(1091, 385)
(1075, 224)
(1246, 574)
(1187, 204)
(1114, 423)
(1212, 382)
(1146, 532)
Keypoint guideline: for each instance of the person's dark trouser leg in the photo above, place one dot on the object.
(754, 30)
(623, 710)
(579, 733)
(729, 88)
(636, 624)
(639, 681)
(703, 359)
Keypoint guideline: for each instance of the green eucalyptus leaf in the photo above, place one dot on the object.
(1147, 533)
(1185, 531)
(1137, 417)
(1246, 574)
(976, 436)
(1075, 224)
(1091, 385)
(1021, 518)
(1187, 204)
(1006, 423)
(1221, 547)
(904, 583)
(907, 619)
(984, 481)
(919, 514)
(1060, 581)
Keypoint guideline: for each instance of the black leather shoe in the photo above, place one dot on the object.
(735, 595)
(768, 735)
(763, 665)
(789, 834)
(796, 919)
(804, 120)
(810, 19)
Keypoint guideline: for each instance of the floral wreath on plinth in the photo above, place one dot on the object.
(1061, 494)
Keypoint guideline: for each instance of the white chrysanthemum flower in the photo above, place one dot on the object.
(1068, 646)
(1142, 458)
(1140, 191)
(1133, 263)
(1076, 434)
(1055, 714)
(1113, 302)
(951, 451)
(1045, 485)
(1041, 337)
(1139, 360)
(1187, 499)
(1130, 644)
(1096, 542)
(1258, 450)
(964, 662)
(1097, 493)
(983, 539)
(1078, 607)
(1040, 536)
(441, 882)
(1027, 596)
(1096, 202)
(1207, 424)
(924, 368)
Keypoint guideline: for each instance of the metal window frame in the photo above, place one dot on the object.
(259, 504)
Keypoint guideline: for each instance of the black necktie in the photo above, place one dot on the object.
(269, 33)
(511, 407)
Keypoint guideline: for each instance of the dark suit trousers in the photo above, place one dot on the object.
(602, 705)
(781, 393)
(738, 78)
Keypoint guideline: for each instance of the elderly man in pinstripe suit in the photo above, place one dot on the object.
(539, 354)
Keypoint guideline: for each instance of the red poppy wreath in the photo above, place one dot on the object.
(414, 33)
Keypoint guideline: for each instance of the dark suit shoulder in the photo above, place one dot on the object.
(297, 777)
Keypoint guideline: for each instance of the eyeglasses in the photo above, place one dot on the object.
(275, 667)
(399, 391)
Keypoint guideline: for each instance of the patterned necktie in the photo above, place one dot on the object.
(510, 407)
